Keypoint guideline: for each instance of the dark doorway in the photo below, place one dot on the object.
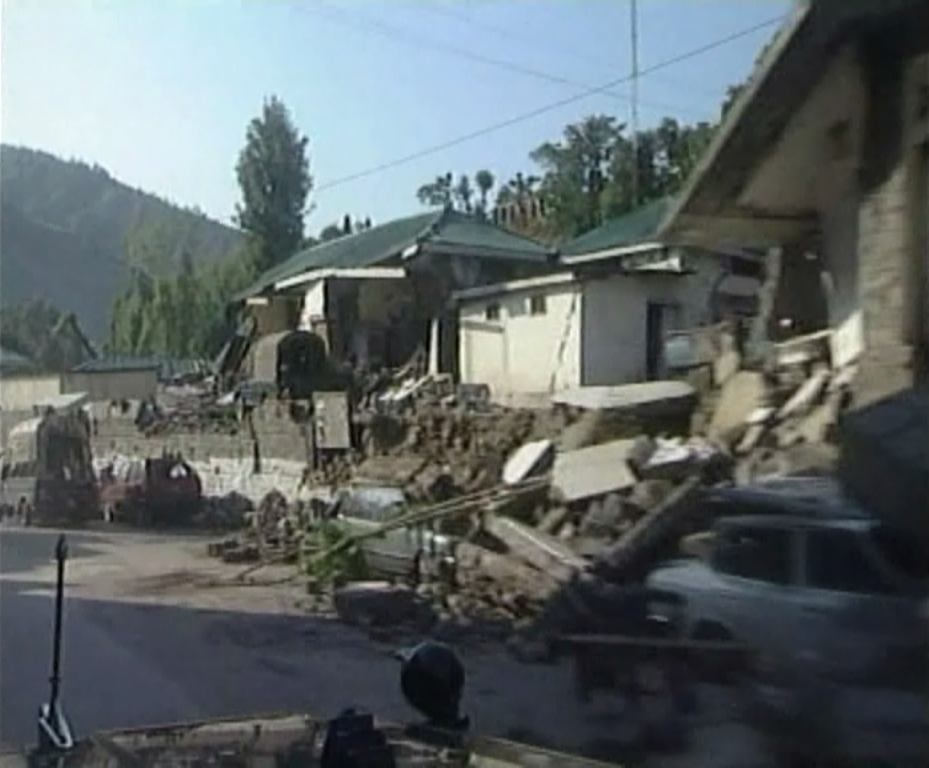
(654, 335)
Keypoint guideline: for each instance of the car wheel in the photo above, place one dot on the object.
(718, 665)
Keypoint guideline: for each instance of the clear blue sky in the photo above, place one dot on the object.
(159, 92)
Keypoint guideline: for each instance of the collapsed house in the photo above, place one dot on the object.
(377, 295)
(825, 158)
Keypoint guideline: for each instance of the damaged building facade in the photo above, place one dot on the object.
(602, 319)
(825, 154)
(825, 158)
(377, 296)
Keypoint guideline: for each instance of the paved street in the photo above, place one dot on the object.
(130, 664)
(143, 655)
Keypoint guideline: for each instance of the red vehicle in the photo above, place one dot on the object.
(167, 492)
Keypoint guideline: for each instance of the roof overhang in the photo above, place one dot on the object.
(484, 292)
(346, 273)
(478, 252)
(612, 253)
(805, 63)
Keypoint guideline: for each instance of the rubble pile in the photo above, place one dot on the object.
(436, 451)
(538, 499)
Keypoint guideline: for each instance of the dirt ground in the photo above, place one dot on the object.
(504, 697)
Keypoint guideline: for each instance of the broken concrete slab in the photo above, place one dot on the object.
(674, 459)
(726, 366)
(536, 548)
(648, 398)
(552, 520)
(806, 396)
(742, 395)
(529, 459)
(750, 439)
(593, 471)
(381, 604)
(604, 518)
(508, 571)
(817, 425)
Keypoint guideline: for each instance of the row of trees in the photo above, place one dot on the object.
(594, 173)
(183, 312)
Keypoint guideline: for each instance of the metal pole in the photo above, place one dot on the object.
(635, 101)
(61, 553)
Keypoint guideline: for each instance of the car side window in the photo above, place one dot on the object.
(836, 562)
(759, 553)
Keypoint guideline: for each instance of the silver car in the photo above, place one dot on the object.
(833, 613)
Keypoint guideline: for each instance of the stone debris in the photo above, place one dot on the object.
(488, 512)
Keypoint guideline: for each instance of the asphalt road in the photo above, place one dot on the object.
(130, 665)
(134, 665)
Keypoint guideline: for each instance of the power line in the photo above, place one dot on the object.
(551, 45)
(398, 34)
(515, 35)
(551, 107)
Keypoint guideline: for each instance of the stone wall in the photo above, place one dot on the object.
(884, 246)
(278, 438)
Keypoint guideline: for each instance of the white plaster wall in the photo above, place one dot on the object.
(614, 318)
(314, 306)
(21, 393)
(522, 353)
(105, 386)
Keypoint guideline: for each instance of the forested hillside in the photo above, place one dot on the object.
(64, 227)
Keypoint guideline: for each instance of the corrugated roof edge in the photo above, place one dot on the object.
(647, 217)
(534, 245)
(107, 365)
(280, 271)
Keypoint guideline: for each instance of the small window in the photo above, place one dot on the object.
(836, 562)
(742, 267)
(758, 553)
(492, 312)
(537, 304)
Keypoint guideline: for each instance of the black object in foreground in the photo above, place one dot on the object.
(432, 679)
(54, 729)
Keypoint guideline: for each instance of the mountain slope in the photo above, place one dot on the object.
(63, 231)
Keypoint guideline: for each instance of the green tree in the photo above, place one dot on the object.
(484, 180)
(182, 315)
(331, 232)
(576, 171)
(273, 172)
(438, 193)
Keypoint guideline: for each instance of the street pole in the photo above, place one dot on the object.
(633, 25)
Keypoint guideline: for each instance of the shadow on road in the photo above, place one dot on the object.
(131, 665)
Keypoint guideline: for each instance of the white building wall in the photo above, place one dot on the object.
(21, 393)
(314, 306)
(520, 352)
(591, 333)
(106, 386)
(615, 311)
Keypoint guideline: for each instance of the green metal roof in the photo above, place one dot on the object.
(435, 231)
(118, 363)
(482, 238)
(635, 228)
(14, 362)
